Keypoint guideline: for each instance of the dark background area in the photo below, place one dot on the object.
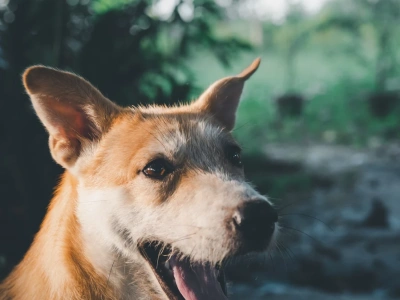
(319, 121)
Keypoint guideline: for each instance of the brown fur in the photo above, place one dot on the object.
(104, 146)
(59, 237)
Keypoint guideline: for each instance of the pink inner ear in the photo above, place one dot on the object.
(222, 100)
(228, 106)
(69, 121)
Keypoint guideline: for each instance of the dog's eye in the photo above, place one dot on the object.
(157, 169)
(235, 156)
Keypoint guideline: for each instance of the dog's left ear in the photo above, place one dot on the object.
(221, 99)
(74, 112)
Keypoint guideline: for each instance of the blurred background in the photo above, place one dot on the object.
(319, 121)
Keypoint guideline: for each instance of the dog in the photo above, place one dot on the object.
(153, 200)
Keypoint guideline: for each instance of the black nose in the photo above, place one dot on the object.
(255, 222)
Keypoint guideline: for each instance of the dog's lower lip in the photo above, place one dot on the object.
(172, 272)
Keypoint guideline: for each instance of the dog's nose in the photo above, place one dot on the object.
(255, 222)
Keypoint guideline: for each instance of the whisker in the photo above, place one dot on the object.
(183, 238)
(109, 274)
(273, 198)
(283, 257)
(288, 252)
(157, 139)
(95, 201)
(159, 254)
(286, 206)
(186, 225)
(243, 125)
(294, 229)
(272, 262)
(311, 217)
(191, 252)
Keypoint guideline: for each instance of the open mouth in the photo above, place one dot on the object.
(182, 279)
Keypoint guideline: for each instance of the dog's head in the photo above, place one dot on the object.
(165, 182)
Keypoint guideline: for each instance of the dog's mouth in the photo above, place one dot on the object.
(182, 279)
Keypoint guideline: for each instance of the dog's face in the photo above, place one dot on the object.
(167, 183)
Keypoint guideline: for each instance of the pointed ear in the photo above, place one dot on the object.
(72, 110)
(221, 99)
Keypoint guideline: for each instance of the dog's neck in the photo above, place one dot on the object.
(64, 264)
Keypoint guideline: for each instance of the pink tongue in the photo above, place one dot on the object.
(196, 281)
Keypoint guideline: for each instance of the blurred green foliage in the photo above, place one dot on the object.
(343, 61)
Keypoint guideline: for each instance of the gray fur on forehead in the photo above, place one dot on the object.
(194, 140)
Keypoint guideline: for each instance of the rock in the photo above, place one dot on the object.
(378, 215)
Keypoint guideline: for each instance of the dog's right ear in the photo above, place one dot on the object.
(221, 99)
(73, 111)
